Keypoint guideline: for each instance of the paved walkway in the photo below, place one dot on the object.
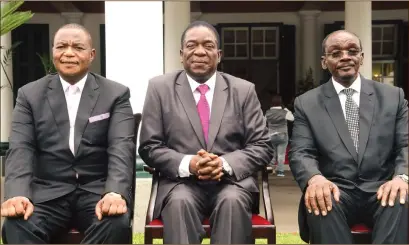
(285, 195)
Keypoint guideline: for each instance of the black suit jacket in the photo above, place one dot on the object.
(321, 142)
(39, 163)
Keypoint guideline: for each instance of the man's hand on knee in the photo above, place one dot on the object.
(111, 204)
(318, 195)
(16, 207)
(389, 191)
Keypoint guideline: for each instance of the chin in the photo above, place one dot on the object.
(69, 74)
(347, 77)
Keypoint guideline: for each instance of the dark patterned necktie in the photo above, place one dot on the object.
(352, 116)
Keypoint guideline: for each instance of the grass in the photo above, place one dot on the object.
(282, 238)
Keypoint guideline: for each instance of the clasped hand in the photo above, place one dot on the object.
(206, 166)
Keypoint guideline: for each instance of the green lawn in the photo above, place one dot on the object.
(282, 238)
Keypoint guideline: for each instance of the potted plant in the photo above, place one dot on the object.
(10, 19)
(307, 83)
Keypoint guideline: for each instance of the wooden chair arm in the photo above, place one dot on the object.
(265, 191)
(148, 169)
(154, 191)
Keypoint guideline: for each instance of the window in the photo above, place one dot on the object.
(264, 42)
(235, 43)
(383, 40)
(383, 71)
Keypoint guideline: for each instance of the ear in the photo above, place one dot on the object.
(361, 59)
(323, 63)
(181, 55)
(219, 55)
(93, 53)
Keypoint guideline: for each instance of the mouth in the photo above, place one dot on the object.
(345, 67)
(69, 62)
(199, 62)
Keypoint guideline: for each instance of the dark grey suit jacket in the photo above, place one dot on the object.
(321, 142)
(171, 128)
(39, 163)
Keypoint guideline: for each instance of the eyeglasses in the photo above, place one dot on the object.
(339, 53)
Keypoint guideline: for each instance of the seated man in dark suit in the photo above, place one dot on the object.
(349, 151)
(204, 131)
(71, 151)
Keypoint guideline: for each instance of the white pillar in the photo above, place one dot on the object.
(134, 45)
(6, 92)
(309, 42)
(358, 20)
(72, 17)
(177, 18)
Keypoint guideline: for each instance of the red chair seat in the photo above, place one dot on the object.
(255, 220)
(360, 228)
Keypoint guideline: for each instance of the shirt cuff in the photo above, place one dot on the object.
(226, 166)
(184, 166)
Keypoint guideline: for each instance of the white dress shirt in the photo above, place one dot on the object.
(73, 97)
(356, 86)
(211, 83)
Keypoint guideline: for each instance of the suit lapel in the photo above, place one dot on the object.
(88, 100)
(366, 112)
(184, 92)
(58, 104)
(217, 110)
(334, 109)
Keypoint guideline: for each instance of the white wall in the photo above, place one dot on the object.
(92, 22)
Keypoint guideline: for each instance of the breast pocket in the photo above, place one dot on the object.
(96, 132)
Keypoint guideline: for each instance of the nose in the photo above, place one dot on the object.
(200, 50)
(345, 55)
(68, 52)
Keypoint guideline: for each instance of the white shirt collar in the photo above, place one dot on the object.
(356, 85)
(80, 84)
(211, 82)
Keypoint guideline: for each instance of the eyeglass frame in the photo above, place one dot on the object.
(359, 51)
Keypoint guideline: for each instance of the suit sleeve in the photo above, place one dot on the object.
(303, 152)
(401, 136)
(121, 148)
(257, 150)
(152, 147)
(22, 150)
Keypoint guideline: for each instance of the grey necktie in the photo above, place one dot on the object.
(352, 116)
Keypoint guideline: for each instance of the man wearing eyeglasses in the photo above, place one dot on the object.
(349, 151)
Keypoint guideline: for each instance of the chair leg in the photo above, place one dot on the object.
(148, 236)
(271, 239)
(130, 235)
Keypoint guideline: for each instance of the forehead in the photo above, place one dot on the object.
(71, 35)
(200, 33)
(342, 40)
